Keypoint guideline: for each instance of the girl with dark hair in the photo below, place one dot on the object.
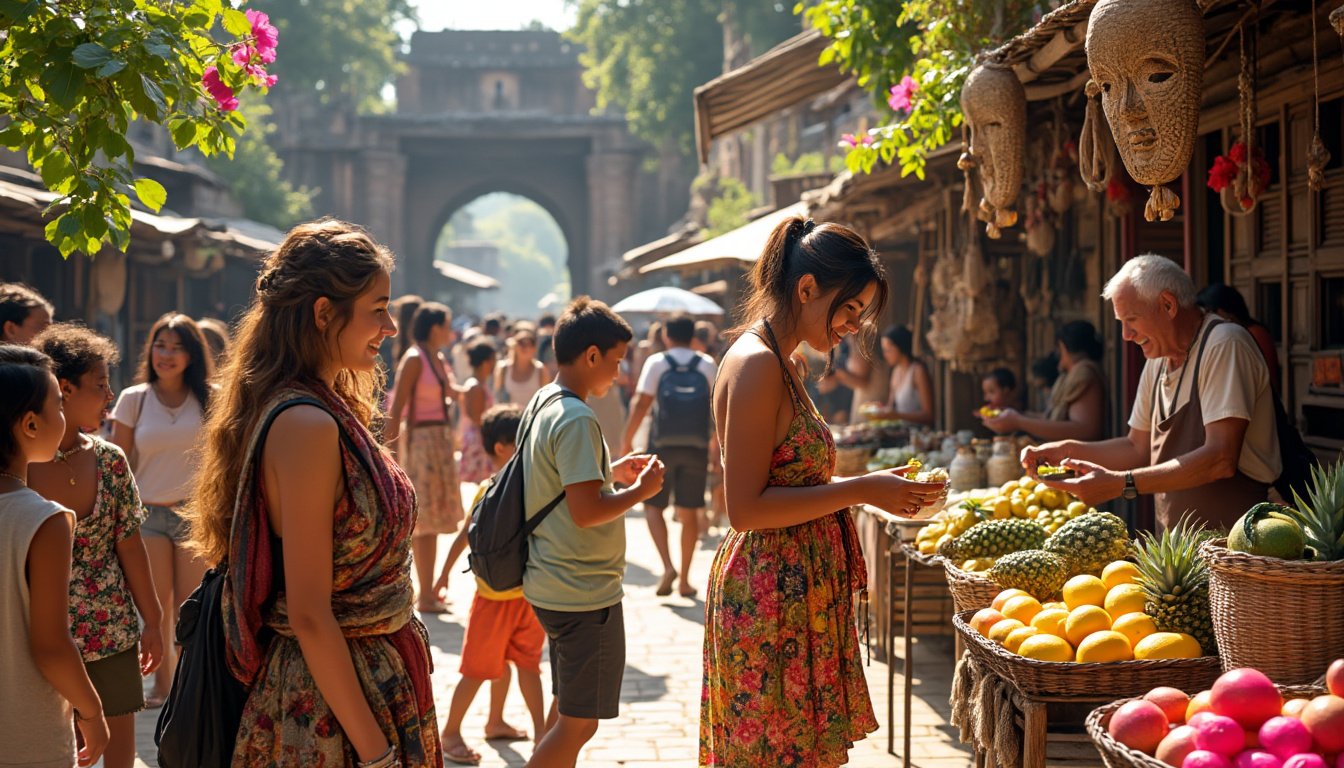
(43, 683)
(158, 423)
(521, 374)
(110, 575)
(420, 433)
(1077, 409)
(1227, 302)
(476, 400)
(783, 679)
(999, 387)
(314, 518)
(911, 393)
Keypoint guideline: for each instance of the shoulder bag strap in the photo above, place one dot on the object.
(531, 523)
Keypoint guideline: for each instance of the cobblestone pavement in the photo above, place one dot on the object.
(659, 720)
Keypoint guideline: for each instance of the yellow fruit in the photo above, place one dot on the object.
(1001, 629)
(1076, 508)
(1034, 499)
(1015, 638)
(1045, 647)
(1084, 590)
(984, 619)
(943, 538)
(1051, 621)
(1005, 596)
(1135, 626)
(1003, 508)
(1056, 604)
(1083, 621)
(1119, 572)
(928, 547)
(1023, 608)
(1051, 499)
(1168, 645)
(1008, 488)
(1125, 598)
(1107, 645)
(1034, 512)
(1019, 507)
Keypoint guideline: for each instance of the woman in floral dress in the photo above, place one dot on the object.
(315, 519)
(783, 681)
(109, 572)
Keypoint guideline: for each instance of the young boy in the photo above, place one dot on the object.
(501, 627)
(576, 558)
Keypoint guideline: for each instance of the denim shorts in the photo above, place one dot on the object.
(165, 522)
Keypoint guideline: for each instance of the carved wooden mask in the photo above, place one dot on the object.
(995, 106)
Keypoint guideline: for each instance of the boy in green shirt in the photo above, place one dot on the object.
(576, 558)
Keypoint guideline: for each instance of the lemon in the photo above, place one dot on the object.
(1051, 499)
(1168, 645)
(1045, 647)
(1076, 508)
(1104, 646)
(1001, 629)
(1034, 500)
(1056, 604)
(1119, 572)
(1019, 507)
(1083, 621)
(1005, 596)
(1015, 638)
(1034, 511)
(1084, 590)
(1050, 621)
(1008, 488)
(1003, 508)
(1135, 626)
(1125, 598)
(1023, 608)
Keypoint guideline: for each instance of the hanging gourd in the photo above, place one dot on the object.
(995, 107)
(1147, 59)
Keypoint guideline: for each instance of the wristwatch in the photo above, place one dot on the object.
(1131, 491)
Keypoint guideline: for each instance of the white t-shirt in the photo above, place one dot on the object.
(1233, 384)
(657, 365)
(166, 443)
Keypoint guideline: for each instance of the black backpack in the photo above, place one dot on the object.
(499, 526)
(681, 416)
(1297, 458)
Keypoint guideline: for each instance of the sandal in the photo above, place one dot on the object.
(462, 755)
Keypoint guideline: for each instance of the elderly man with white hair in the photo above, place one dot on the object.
(1202, 436)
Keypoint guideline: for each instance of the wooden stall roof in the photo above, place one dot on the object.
(468, 277)
(782, 77)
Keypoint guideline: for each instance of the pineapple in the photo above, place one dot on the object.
(1175, 581)
(1090, 542)
(994, 538)
(1038, 572)
(1321, 515)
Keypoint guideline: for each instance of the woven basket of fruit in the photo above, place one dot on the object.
(970, 590)
(1061, 677)
(1276, 583)
(1243, 720)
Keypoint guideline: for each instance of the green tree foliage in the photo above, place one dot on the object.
(645, 57)
(932, 41)
(74, 74)
(729, 207)
(532, 249)
(337, 50)
(254, 174)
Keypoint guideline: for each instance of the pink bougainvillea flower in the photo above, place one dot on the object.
(902, 94)
(848, 141)
(221, 93)
(260, 76)
(265, 35)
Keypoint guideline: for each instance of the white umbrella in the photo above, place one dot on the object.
(666, 300)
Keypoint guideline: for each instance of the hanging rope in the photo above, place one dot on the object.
(1096, 147)
(1240, 197)
(1317, 155)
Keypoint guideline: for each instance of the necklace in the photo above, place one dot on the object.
(173, 411)
(13, 476)
(63, 456)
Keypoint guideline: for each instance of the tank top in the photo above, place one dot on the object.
(430, 392)
(904, 394)
(521, 392)
(36, 726)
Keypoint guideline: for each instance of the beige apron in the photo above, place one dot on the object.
(1217, 504)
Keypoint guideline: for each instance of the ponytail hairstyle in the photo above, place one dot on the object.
(836, 257)
(427, 317)
(278, 345)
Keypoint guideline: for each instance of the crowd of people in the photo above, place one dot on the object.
(278, 449)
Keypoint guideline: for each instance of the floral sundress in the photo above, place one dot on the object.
(783, 680)
(475, 466)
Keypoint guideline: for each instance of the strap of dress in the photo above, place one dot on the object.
(769, 338)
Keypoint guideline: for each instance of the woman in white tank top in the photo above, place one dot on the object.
(518, 378)
(911, 387)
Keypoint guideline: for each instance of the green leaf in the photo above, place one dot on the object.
(185, 133)
(57, 171)
(68, 224)
(236, 23)
(154, 96)
(111, 68)
(63, 84)
(151, 193)
(90, 55)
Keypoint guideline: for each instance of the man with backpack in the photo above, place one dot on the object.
(676, 385)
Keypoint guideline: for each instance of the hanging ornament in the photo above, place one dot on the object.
(1317, 155)
(1251, 171)
(1096, 148)
(995, 106)
(1147, 59)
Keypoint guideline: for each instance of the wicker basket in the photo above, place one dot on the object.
(1117, 755)
(851, 460)
(1090, 680)
(970, 591)
(1254, 599)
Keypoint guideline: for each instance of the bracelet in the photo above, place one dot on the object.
(385, 760)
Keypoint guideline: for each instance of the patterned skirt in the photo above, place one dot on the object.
(476, 465)
(432, 468)
(783, 676)
(287, 721)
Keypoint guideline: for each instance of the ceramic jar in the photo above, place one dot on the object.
(966, 472)
(1003, 465)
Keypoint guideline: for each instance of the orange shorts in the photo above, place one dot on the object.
(500, 631)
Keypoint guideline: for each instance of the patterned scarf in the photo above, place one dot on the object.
(371, 586)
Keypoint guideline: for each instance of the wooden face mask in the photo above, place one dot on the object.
(995, 106)
(1147, 56)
